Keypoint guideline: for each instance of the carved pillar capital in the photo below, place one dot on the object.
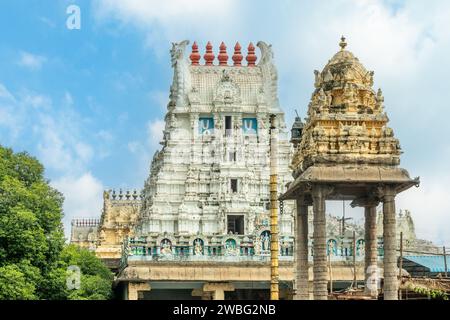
(385, 192)
(304, 200)
(366, 202)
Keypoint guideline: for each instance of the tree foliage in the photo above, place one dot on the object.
(14, 285)
(33, 256)
(96, 278)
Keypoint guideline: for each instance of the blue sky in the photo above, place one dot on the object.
(89, 103)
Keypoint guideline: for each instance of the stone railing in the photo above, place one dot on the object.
(85, 222)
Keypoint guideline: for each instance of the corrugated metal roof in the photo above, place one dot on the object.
(434, 263)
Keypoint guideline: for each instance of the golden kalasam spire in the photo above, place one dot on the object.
(342, 44)
(346, 121)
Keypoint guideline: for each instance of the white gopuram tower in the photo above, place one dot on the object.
(207, 196)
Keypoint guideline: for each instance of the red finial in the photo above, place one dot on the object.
(223, 57)
(251, 56)
(195, 56)
(209, 55)
(237, 56)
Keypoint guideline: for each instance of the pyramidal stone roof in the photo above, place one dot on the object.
(346, 122)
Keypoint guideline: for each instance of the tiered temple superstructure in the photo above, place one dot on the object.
(346, 152)
(206, 201)
(207, 194)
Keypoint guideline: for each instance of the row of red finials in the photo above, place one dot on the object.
(223, 56)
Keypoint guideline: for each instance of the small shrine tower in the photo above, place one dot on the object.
(346, 152)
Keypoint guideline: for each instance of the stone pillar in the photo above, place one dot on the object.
(135, 288)
(302, 283)
(390, 245)
(320, 268)
(371, 250)
(218, 289)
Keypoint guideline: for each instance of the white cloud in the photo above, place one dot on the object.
(146, 149)
(31, 61)
(83, 197)
(53, 151)
(47, 21)
(164, 21)
(68, 99)
(105, 140)
(105, 135)
(133, 146)
(7, 101)
(146, 11)
(60, 145)
(11, 115)
(143, 151)
(84, 151)
(37, 101)
(4, 93)
(125, 80)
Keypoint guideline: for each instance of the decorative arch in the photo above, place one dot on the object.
(231, 246)
(166, 247)
(199, 247)
(332, 247)
(204, 239)
(228, 237)
(162, 237)
(261, 229)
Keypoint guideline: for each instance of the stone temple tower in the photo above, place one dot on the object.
(207, 195)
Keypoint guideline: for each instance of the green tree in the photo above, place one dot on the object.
(33, 256)
(14, 285)
(96, 278)
(31, 233)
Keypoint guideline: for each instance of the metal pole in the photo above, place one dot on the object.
(354, 259)
(445, 261)
(400, 275)
(274, 275)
